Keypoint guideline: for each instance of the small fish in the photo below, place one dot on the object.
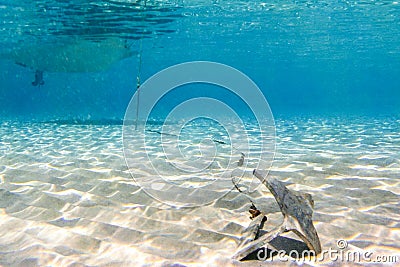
(219, 142)
(241, 160)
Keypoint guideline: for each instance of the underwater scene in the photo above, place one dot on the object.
(199, 133)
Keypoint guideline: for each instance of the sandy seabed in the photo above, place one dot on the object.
(68, 199)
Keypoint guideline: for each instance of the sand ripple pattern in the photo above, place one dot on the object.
(67, 198)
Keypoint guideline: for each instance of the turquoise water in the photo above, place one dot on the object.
(84, 182)
(306, 56)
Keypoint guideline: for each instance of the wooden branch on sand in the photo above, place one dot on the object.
(297, 210)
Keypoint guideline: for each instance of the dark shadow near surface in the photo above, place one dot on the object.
(130, 20)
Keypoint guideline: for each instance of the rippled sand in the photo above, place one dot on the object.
(67, 198)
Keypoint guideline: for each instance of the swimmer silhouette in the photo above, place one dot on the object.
(38, 78)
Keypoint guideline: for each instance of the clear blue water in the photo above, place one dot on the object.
(78, 188)
(307, 57)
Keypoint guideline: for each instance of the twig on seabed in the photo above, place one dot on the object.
(297, 212)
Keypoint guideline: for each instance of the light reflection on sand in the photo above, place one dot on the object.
(66, 196)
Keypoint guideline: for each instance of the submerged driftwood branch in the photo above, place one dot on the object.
(253, 231)
(297, 210)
